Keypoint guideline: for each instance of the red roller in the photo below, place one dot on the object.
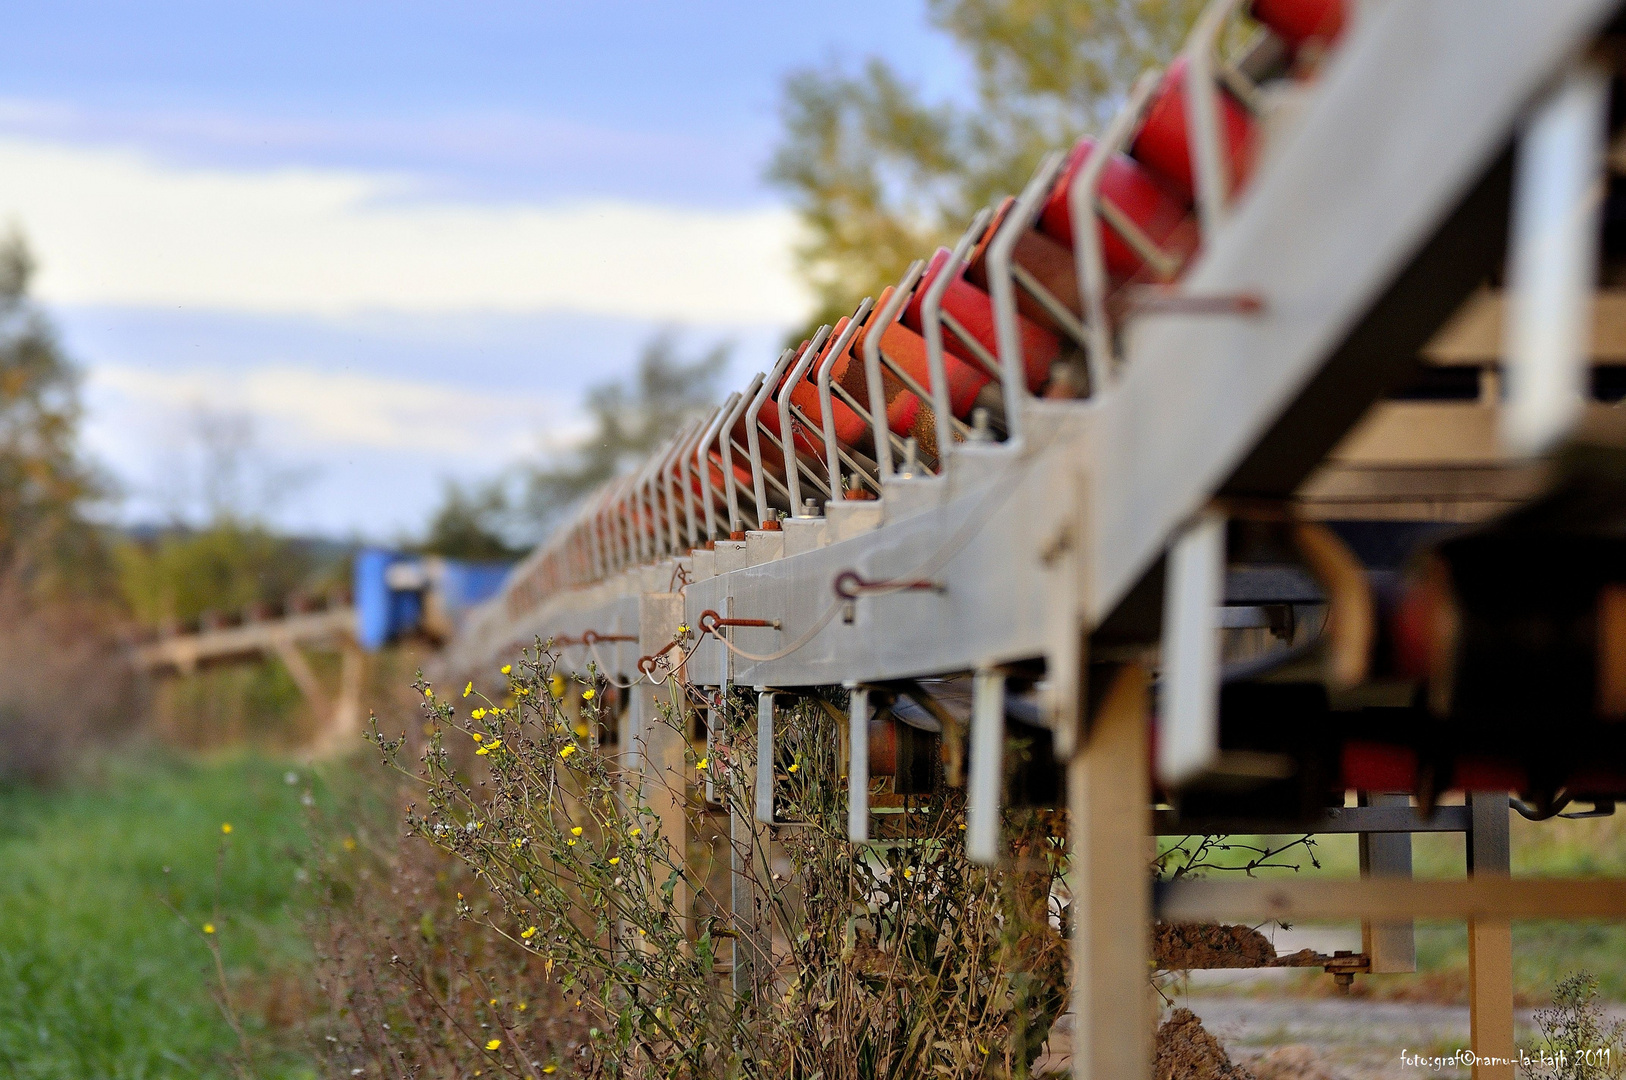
(1051, 264)
(1299, 22)
(974, 311)
(1163, 146)
(1156, 208)
(905, 414)
(850, 427)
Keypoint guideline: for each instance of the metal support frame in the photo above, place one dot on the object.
(743, 841)
(1389, 946)
(872, 365)
(985, 787)
(832, 449)
(703, 461)
(662, 763)
(1193, 590)
(858, 765)
(1553, 260)
(1012, 369)
(765, 778)
(725, 438)
(1490, 940)
(931, 318)
(753, 433)
(787, 434)
(1108, 800)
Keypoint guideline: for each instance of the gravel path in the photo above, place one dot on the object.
(1354, 1038)
(1346, 1038)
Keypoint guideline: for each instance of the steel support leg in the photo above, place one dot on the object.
(1109, 815)
(663, 773)
(742, 841)
(1490, 941)
(764, 786)
(858, 765)
(987, 781)
(1193, 590)
(1391, 946)
(1553, 260)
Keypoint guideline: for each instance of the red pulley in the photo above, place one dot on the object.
(1163, 143)
(1298, 22)
(1128, 189)
(974, 311)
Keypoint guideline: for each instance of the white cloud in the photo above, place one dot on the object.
(120, 227)
(302, 410)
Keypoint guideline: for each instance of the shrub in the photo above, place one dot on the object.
(896, 958)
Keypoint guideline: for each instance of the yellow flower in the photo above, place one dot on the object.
(683, 628)
(589, 694)
(908, 872)
(520, 1006)
(469, 689)
(528, 933)
(794, 766)
(550, 1068)
(493, 1044)
(615, 860)
(570, 843)
(493, 1001)
(556, 686)
(642, 932)
(208, 928)
(225, 827)
(577, 831)
(349, 843)
(506, 668)
(703, 763)
(570, 748)
(494, 744)
(476, 736)
(478, 714)
(635, 831)
(429, 692)
(483, 751)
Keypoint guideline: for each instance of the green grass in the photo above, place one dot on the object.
(98, 979)
(1543, 952)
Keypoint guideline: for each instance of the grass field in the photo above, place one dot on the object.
(98, 978)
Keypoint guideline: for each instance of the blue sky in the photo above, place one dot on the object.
(402, 237)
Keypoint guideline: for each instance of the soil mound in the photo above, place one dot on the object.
(1186, 1051)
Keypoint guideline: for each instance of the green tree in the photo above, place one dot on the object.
(630, 419)
(226, 567)
(880, 176)
(469, 524)
(46, 485)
